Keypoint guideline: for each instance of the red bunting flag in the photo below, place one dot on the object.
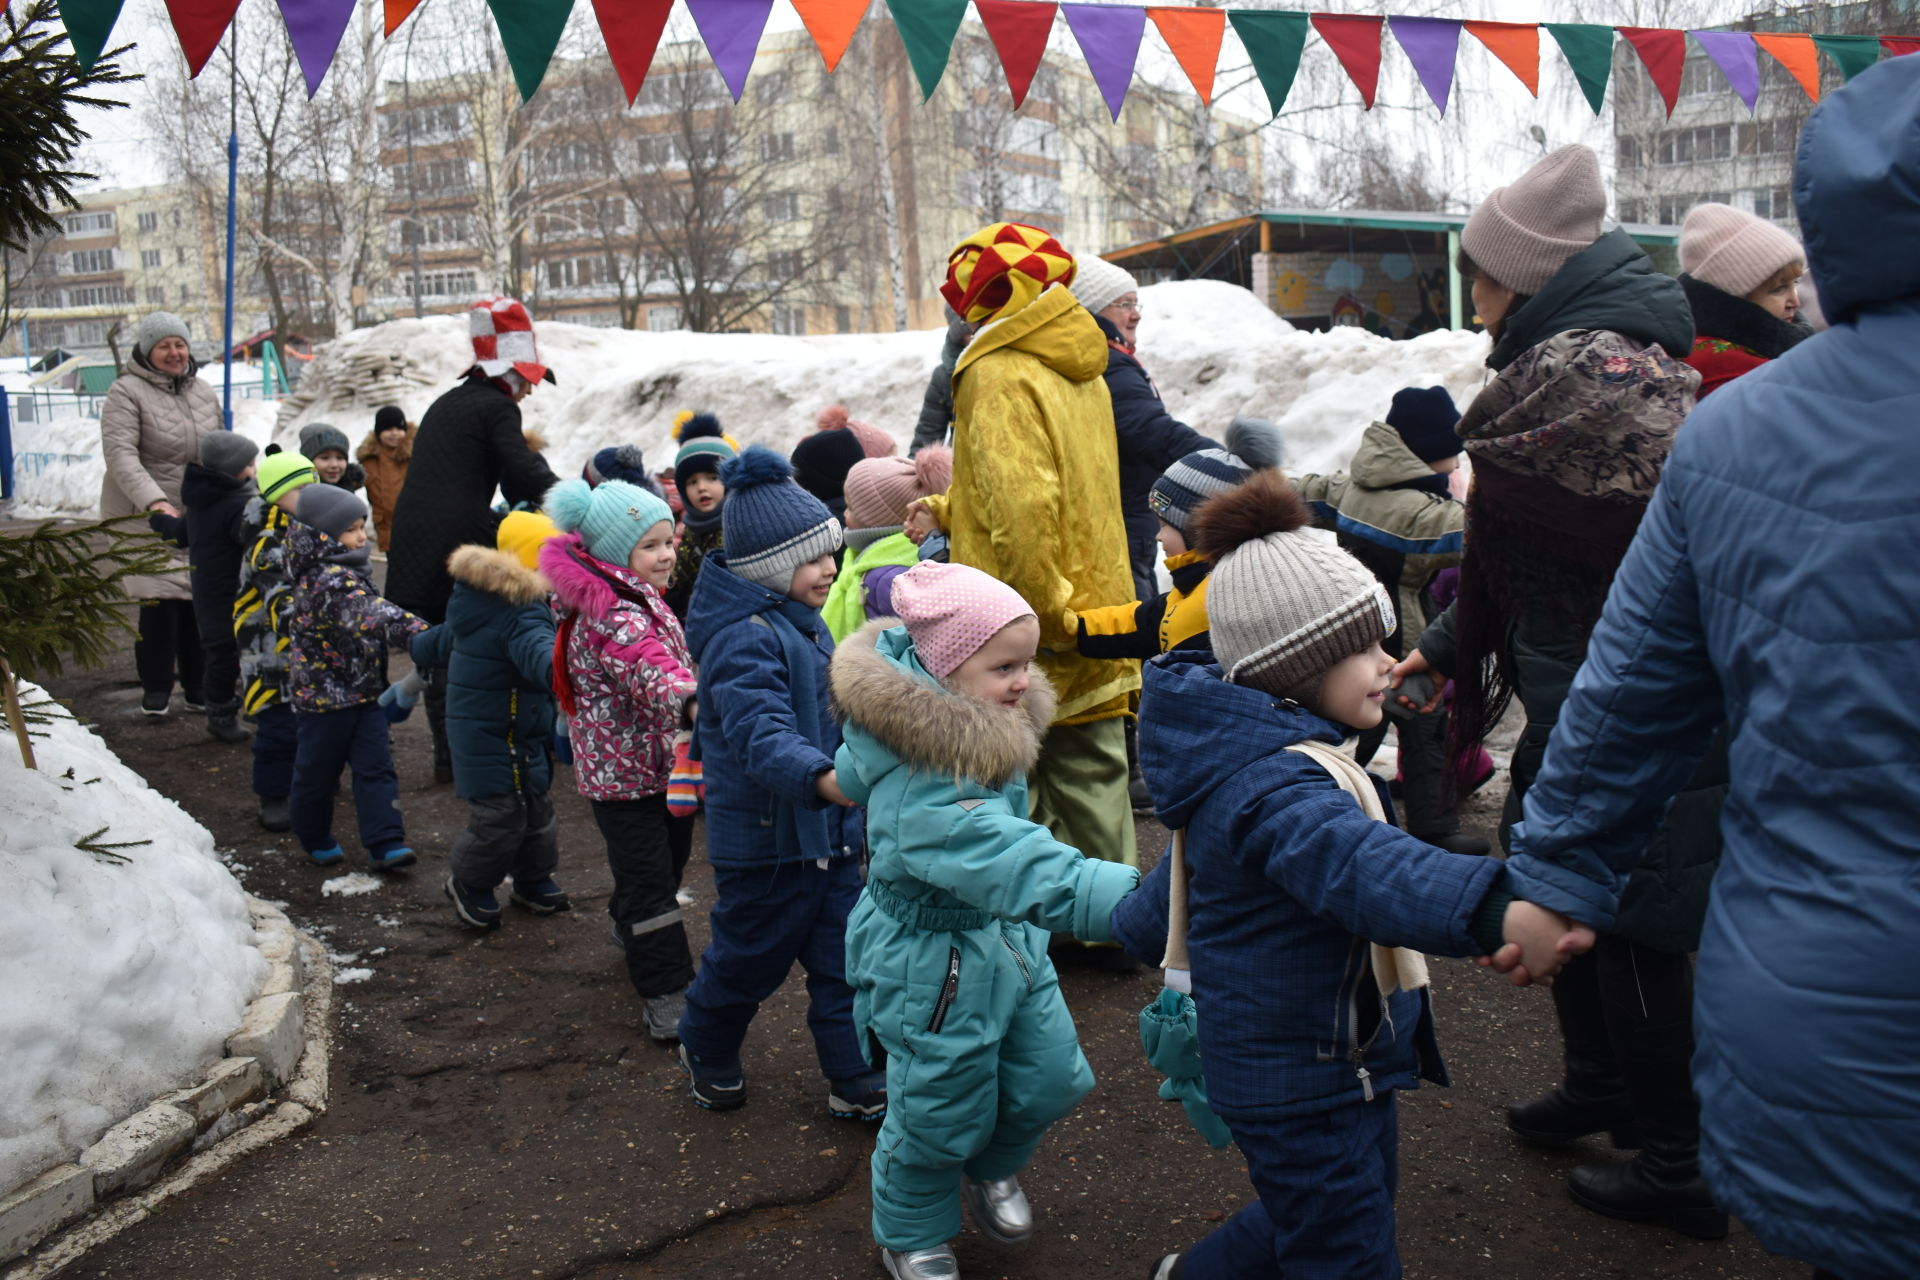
(199, 24)
(1665, 54)
(831, 23)
(1796, 53)
(1516, 44)
(1193, 35)
(1018, 30)
(631, 29)
(1898, 46)
(398, 11)
(1356, 42)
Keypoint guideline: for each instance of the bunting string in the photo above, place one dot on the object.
(1109, 37)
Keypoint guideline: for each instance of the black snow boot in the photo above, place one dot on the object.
(274, 815)
(1593, 1098)
(223, 722)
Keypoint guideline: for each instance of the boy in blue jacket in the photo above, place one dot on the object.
(948, 946)
(783, 838)
(1308, 914)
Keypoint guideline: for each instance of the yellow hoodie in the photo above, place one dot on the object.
(1036, 484)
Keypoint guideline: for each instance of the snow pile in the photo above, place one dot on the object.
(123, 980)
(1214, 351)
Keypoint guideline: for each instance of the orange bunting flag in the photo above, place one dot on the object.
(1798, 55)
(1194, 37)
(398, 11)
(831, 23)
(1516, 44)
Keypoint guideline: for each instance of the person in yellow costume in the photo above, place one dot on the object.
(1035, 503)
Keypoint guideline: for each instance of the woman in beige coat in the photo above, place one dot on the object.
(150, 429)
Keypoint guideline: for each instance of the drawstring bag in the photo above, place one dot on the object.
(685, 787)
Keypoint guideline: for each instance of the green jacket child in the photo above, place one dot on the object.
(878, 492)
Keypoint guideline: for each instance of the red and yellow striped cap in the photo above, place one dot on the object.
(1000, 269)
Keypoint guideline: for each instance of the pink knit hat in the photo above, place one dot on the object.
(1732, 250)
(951, 610)
(878, 490)
(1522, 234)
(874, 442)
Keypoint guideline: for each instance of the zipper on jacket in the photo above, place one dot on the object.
(948, 990)
(1359, 1050)
(513, 749)
(1018, 959)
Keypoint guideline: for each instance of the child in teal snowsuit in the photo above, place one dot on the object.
(947, 947)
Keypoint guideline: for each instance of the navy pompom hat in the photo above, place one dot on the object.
(621, 462)
(1425, 417)
(770, 526)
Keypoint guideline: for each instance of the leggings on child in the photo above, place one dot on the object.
(647, 851)
(330, 741)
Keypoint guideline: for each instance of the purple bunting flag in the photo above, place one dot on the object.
(732, 31)
(314, 27)
(1738, 59)
(1430, 44)
(1109, 37)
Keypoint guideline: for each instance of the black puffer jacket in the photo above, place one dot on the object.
(1151, 440)
(469, 443)
(216, 533)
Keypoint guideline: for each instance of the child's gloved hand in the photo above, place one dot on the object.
(398, 701)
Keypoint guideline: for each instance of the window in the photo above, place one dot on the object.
(180, 256)
(432, 178)
(88, 261)
(843, 319)
(1688, 146)
(99, 295)
(434, 122)
(783, 266)
(82, 224)
(88, 333)
(186, 294)
(566, 160)
(149, 222)
(663, 319)
(446, 284)
(776, 148)
(1627, 151)
(789, 320)
(1773, 203)
(432, 231)
(830, 140)
(156, 296)
(661, 151)
(566, 273)
(783, 206)
(149, 258)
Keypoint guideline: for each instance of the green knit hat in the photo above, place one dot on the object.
(281, 473)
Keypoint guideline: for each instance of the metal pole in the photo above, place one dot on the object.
(1456, 305)
(233, 214)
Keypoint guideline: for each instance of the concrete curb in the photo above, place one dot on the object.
(272, 1082)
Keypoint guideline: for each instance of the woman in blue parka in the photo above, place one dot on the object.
(1807, 1012)
(947, 947)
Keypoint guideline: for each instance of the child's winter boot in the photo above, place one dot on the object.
(999, 1209)
(937, 1263)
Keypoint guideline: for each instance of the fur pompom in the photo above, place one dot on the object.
(535, 441)
(1267, 503)
(758, 465)
(630, 457)
(698, 426)
(1256, 442)
(832, 418)
(568, 503)
(933, 469)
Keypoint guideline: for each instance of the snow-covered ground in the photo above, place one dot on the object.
(123, 980)
(1212, 348)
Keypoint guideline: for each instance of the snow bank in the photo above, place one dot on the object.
(123, 981)
(1212, 348)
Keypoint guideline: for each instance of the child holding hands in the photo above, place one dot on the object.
(947, 949)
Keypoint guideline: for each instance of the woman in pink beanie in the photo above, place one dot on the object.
(1742, 277)
(947, 947)
(878, 493)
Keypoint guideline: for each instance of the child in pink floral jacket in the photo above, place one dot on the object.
(624, 679)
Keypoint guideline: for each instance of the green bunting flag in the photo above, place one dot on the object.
(1274, 39)
(927, 28)
(89, 23)
(1852, 54)
(530, 31)
(1589, 51)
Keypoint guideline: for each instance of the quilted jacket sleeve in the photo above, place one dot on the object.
(530, 644)
(525, 476)
(432, 647)
(745, 676)
(1634, 727)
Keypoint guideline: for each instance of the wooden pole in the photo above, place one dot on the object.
(10, 693)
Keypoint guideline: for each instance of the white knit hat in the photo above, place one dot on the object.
(1732, 250)
(1097, 282)
(1522, 234)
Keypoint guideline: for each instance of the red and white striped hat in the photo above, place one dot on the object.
(503, 339)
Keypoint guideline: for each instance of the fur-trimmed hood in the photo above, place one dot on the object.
(498, 573)
(881, 690)
(370, 448)
(589, 587)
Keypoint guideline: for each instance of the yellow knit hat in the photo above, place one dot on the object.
(523, 533)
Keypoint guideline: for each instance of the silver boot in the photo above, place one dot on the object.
(999, 1208)
(937, 1263)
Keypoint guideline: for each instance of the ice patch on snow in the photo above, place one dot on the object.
(387, 922)
(341, 976)
(351, 885)
(123, 979)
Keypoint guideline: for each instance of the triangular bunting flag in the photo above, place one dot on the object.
(1356, 42)
(1796, 53)
(631, 30)
(1665, 54)
(530, 31)
(397, 12)
(1589, 51)
(1900, 46)
(1018, 30)
(1431, 45)
(1852, 54)
(732, 30)
(1274, 39)
(314, 28)
(199, 24)
(927, 29)
(1738, 59)
(1193, 36)
(831, 23)
(1109, 36)
(89, 23)
(1517, 44)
